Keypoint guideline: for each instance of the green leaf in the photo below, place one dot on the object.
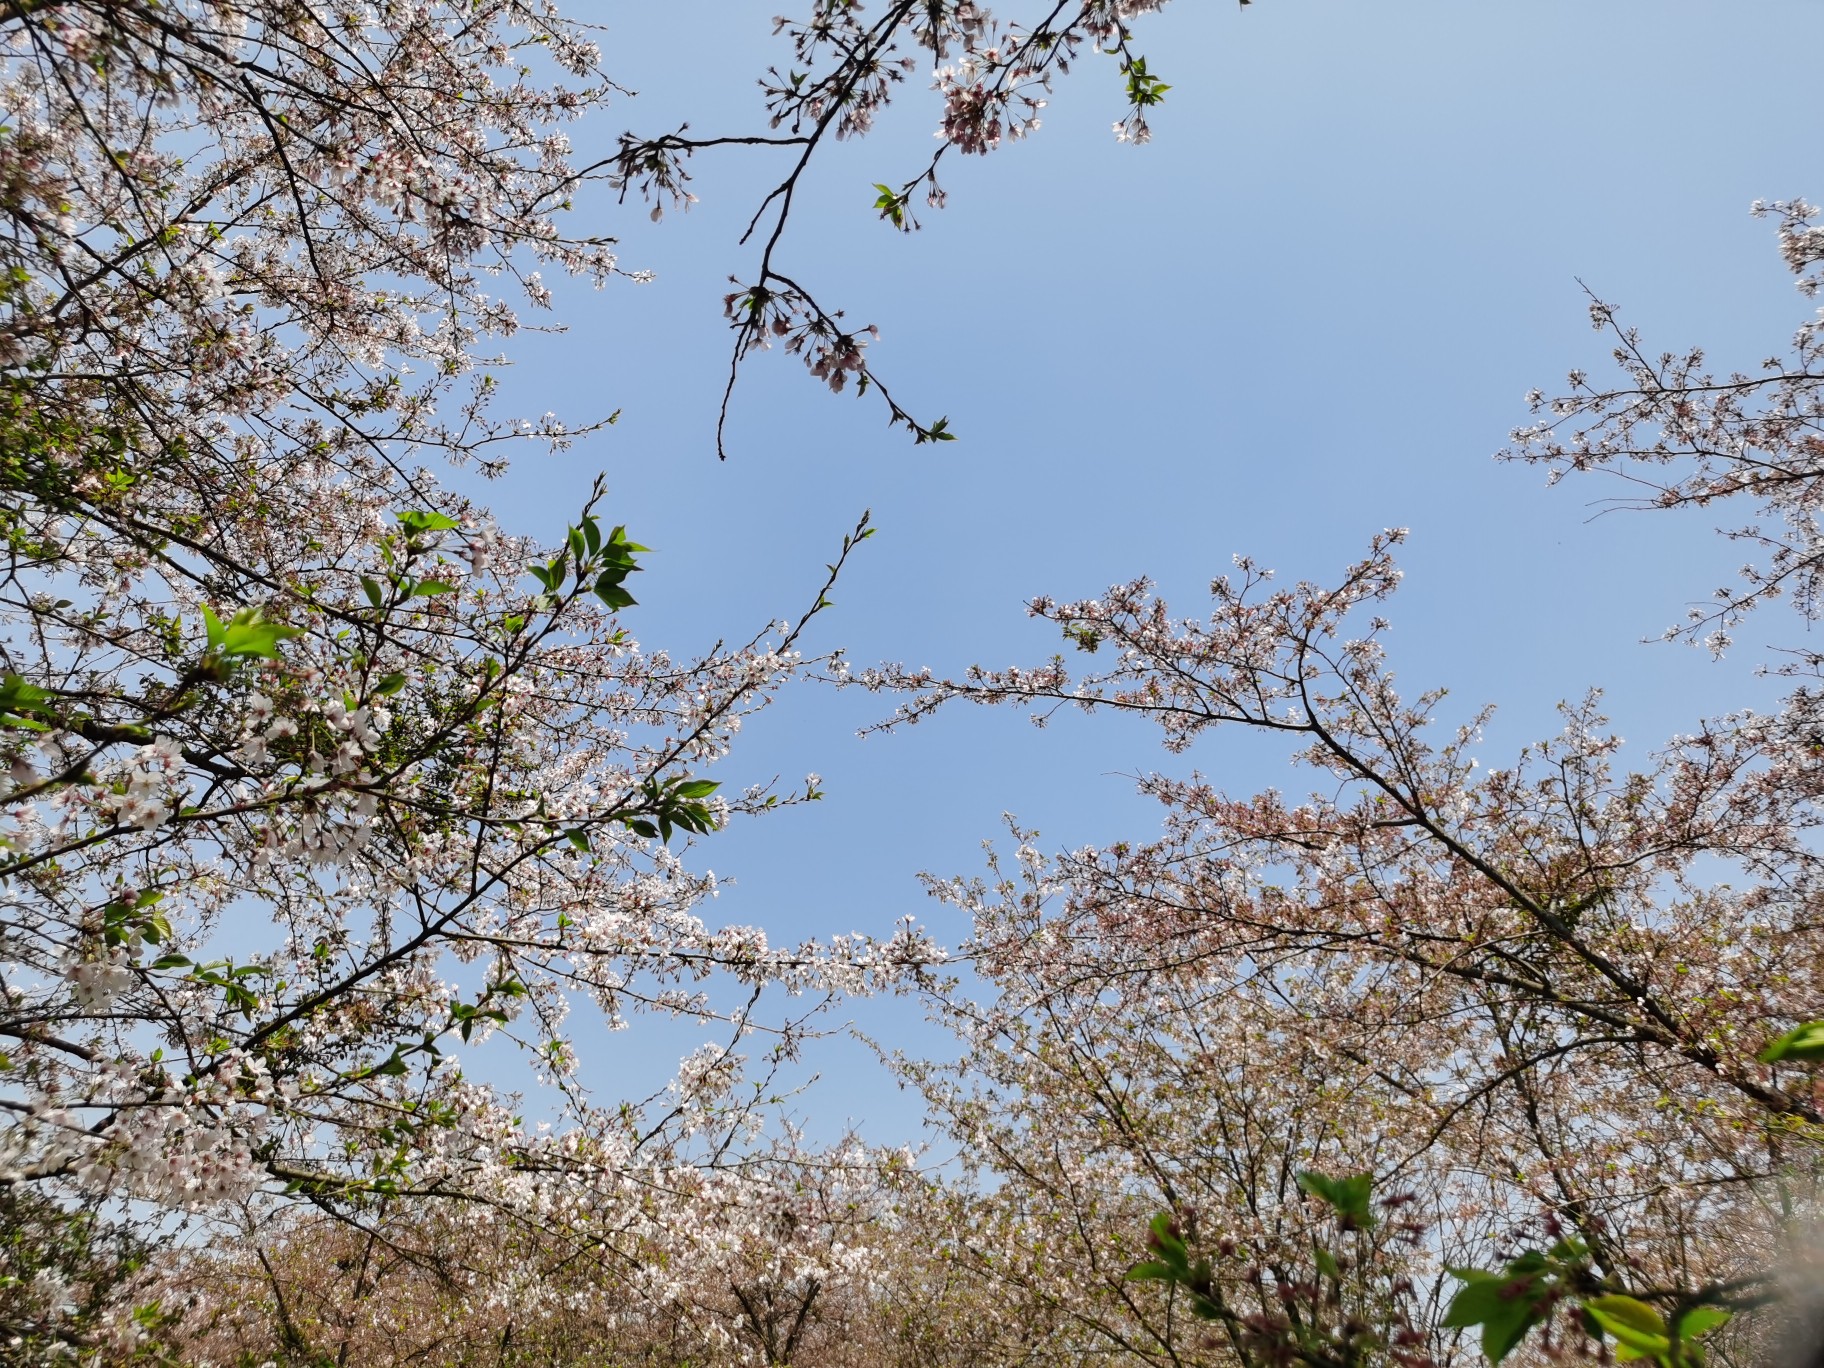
(1162, 1236)
(371, 589)
(16, 693)
(1149, 1271)
(1502, 1332)
(426, 588)
(18, 698)
(1347, 1196)
(937, 432)
(1638, 1330)
(416, 521)
(1702, 1319)
(247, 633)
(609, 591)
(891, 206)
(618, 544)
(388, 685)
(1804, 1043)
(697, 788)
(1505, 1307)
(1474, 1302)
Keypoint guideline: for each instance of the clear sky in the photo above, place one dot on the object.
(1309, 309)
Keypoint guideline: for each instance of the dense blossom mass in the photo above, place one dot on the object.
(309, 781)
(307, 784)
(1562, 1012)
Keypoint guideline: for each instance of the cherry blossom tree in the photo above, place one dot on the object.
(839, 1259)
(318, 781)
(313, 772)
(1561, 1012)
(775, 1262)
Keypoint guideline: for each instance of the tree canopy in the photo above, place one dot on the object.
(317, 776)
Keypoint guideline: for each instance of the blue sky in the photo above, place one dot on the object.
(1309, 309)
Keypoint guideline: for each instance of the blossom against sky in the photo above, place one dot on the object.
(1307, 310)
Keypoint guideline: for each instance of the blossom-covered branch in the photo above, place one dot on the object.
(993, 74)
(1688, 437)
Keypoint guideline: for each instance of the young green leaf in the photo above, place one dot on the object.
(1149, 1271)
(17, 698)
(416, 521)
(1504, 1306)
(1637, 1329)
(1700, 1320)
(609, 591)
(248, 633)
(1804, 1043)
(1347, 1196)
